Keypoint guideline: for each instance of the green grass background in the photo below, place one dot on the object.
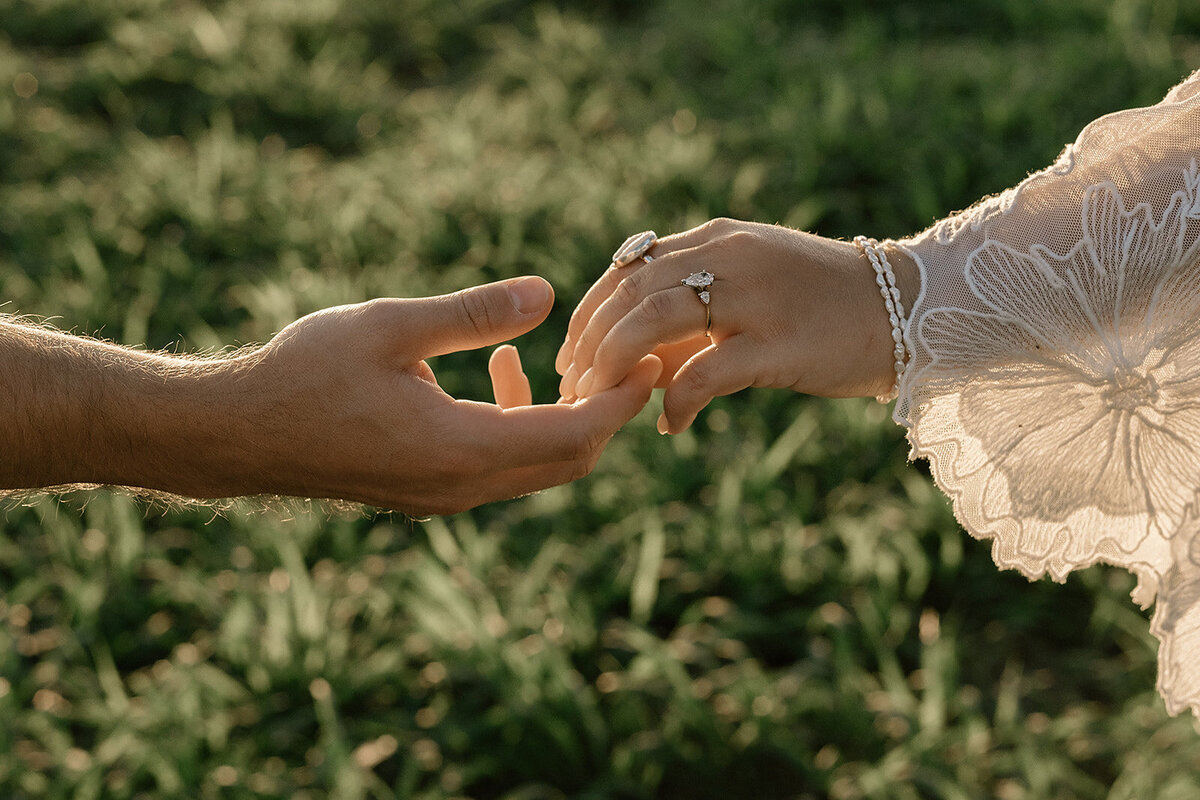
(774, 605)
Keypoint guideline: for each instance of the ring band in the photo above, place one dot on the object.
(635, 247)
(700, 282)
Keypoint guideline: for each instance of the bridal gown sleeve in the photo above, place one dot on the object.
(1054, 377)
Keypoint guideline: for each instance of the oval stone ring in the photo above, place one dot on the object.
(635, 247)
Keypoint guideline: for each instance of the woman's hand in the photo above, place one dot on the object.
(789, 310)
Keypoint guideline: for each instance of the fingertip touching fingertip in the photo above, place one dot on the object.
(563, 359)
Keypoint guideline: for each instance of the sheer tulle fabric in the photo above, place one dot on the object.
(1054, 383)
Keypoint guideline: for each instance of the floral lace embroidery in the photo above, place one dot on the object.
(1061, 410)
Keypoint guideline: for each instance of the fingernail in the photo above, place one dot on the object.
(662, 424)
(566, 387)
(585, 383)
(529, 295)
(562, 360)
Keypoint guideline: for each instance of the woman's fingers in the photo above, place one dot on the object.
(604, 287)
(581, 318)
(646, 290)
(722, 369)
(509, 383)
(597, 294)
(636, 287)
(666, 317)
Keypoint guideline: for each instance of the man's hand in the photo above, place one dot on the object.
(340, 404)
(350, 386)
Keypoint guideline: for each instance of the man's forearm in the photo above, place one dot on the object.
(79, 411)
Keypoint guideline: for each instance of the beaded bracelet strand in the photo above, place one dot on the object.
(886, 279)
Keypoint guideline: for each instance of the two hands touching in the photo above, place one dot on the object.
(341, 404)
(789, 310)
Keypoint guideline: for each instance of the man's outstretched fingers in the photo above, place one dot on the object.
(717, 371)
(543, 434)
(476, 317)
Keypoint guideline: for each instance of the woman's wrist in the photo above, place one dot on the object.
(880, 354)
(908, 277)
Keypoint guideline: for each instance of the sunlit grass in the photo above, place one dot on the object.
(772, 605)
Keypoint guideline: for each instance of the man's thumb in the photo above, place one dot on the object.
(479, 316)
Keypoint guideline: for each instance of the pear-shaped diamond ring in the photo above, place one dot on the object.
(701, 281)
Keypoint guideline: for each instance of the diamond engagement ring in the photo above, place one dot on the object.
(700, 281)
(635, 247)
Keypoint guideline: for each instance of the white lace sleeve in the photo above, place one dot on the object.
(1054, 382)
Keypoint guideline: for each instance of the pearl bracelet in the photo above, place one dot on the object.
(886, 279)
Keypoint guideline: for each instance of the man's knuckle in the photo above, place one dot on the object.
(375, 313)
(770, 379)
(479, 313)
